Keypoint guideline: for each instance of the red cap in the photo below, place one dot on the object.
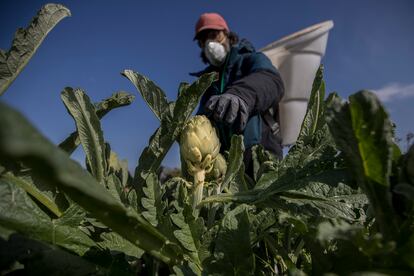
(213, 21)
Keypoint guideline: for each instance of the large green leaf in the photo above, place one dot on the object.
(313, 206)
(38, 258)
(44, 198)
(26, 42)
(170, 129)
(89, 129)
(235, 160)
(150, 92)
(152, 200)
(102, 108)
(233, 254)
(282, 180)
(114, 242)
(189, 232)
(18, 212)
(21, 142)
(363, 132)
(314, 118)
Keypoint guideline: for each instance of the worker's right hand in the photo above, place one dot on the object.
(230, 109)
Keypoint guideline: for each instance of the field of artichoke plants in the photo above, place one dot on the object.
(339, 203)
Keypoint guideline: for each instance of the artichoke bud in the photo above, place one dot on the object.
(219, 168)
(199, 144)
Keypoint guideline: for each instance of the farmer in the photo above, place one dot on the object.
(249, 86)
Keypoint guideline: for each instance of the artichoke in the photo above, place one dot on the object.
(199, 144)
(219, 168)
(199, 147)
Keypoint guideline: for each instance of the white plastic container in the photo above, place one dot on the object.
(297, 56)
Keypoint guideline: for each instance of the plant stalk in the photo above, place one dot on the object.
(199, 177)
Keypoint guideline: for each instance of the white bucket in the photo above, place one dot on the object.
(297, 57)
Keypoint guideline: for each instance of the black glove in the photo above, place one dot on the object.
(228, 108)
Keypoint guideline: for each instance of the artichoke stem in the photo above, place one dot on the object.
(198, 187)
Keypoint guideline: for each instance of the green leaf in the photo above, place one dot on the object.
(116, 100)
(19, 141)
(314, 118)
(31, 189)
(312, 206)
(170, 129)
(102, 108)
(190, 227)
(188, 269)
(273, 183)
(73, 216)
(235, 159)
(260, 223)
(373, 135)
(363, 132)
(26, 42)
(20, 213)
(233, 254)
(259, 157)
(40, 258)
(114, 242)
(150, 92)
(188, 100)
(182, 88)
(189, 232)
(89, 129)
(152, 200)
(114, 186)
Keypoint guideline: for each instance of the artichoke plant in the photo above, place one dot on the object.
(199, 148)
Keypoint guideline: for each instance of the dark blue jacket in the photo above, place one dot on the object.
(251, 76)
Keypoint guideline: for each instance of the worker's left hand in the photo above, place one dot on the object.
(228, 108)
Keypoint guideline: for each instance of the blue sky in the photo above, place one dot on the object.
(370, 47)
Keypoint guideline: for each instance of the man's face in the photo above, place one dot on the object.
(215, 35)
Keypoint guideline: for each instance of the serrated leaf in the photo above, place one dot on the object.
(89, 129)
(27, 41)
(233, 254)
(152, 200)
(190, 231)
(114, 186)
(39, 258)
(102, 108)
(72, 217)
(259, 157)
(235, 159)
(20, 213)
(150, 92)
(314, 114)
(261, 222)
(19, 141)
(182, 88)
(313, 206)
(114, 242)
(31, 189)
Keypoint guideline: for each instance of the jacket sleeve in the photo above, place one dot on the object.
(262, 87)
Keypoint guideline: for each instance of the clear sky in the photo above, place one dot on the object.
(370, 47)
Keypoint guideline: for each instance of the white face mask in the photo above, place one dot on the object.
(215, 52)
